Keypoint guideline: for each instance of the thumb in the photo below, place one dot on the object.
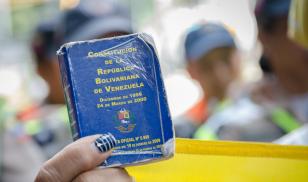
(76, 158)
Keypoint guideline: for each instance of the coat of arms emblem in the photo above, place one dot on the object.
(125, 120)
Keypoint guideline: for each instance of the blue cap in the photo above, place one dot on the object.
(272, 8)
(203, 38)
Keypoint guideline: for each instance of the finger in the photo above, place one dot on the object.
(78, 157)
(103, 175)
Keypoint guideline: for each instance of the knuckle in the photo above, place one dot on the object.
(46, 174)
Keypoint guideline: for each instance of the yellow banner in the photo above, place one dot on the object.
(199, 161)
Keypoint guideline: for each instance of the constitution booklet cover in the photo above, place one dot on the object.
(114, 85)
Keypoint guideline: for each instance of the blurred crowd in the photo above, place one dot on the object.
(265, 111)
(272, 109)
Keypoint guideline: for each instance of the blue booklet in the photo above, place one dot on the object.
(114, 85)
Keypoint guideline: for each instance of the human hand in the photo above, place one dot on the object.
(78, 161)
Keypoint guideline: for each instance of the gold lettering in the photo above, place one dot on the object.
(99, 71)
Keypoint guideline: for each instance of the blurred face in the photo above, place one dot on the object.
(49, 70)
(215, 72)
(289, 60)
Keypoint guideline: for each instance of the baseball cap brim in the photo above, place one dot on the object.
(208, 43)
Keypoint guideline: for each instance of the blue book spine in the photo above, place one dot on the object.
(69, 94)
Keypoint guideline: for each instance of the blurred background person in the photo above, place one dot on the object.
(209, 53)
(288, 101)
(89, 20)
(46, 124)
(212, 60)
(282, 93)
(287, 59)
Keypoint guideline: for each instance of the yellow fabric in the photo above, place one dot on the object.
(298, 22)
(197, 161)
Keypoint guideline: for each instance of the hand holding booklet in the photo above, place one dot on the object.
(115, 86)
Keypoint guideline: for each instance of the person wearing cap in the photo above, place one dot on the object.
(212, 60)
(210, 51)
(288, 100)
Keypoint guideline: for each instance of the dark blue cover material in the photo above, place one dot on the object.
(115, 85)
